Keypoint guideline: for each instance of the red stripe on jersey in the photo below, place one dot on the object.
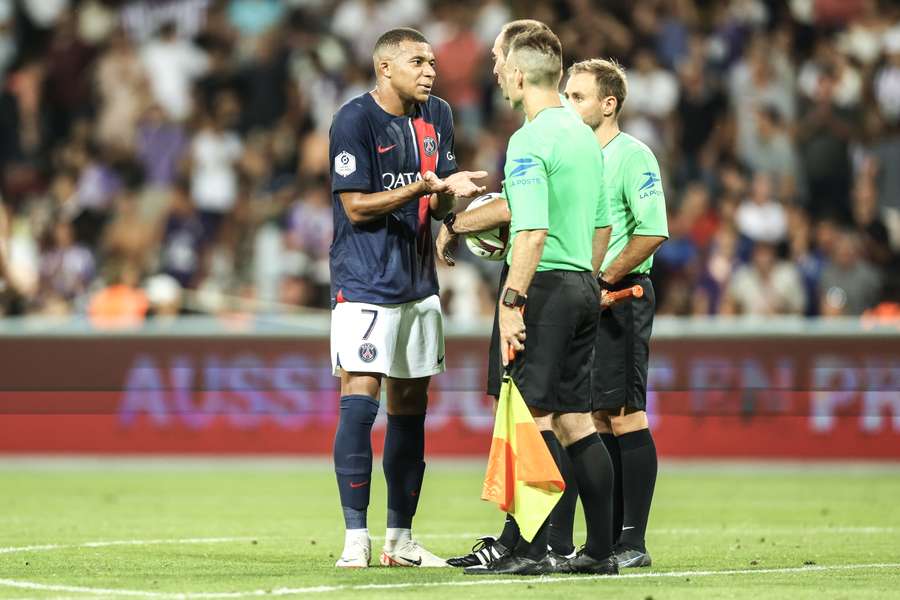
(427, 162)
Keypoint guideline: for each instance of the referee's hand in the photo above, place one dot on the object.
(512, 332)
(445, 246)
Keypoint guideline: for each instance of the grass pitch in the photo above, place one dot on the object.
(205, 529)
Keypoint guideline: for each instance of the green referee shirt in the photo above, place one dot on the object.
(636, 201)
(551, 183)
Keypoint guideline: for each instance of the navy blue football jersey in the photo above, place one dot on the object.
(389, 260)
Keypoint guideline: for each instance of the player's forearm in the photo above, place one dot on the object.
(527, 250)
(362, 208)
(599, 247)
(484, 218)
(638, 249)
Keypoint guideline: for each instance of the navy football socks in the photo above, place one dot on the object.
(353, 457)
(404, 467)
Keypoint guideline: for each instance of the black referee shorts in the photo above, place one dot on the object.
(495, 367)
(622, 351)
(553, 373)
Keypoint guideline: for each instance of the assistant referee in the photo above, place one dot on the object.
(597, 89)
(558, 209)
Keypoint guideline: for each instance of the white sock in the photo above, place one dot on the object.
(352, 535)
(396, 535)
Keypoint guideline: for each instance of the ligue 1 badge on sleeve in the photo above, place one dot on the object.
(344, 164)
(430, 145)
(367, 352)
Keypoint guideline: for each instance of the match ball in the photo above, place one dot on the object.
(492, 244)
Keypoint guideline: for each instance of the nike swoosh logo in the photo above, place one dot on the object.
(612, 391)
(441, 360)
(358, 485)
(418, 562)
(627, 528)
(383, 149)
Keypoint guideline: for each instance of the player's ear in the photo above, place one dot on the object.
(382, 67)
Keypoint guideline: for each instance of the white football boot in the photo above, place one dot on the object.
(357, 551)
(409, 553)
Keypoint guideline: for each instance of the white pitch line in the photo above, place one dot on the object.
(696, 531)
(474, 581)
(215, 540)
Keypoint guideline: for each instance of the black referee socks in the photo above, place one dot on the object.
(615, 455)
(562, 519)
(594, 473)
(639, 467)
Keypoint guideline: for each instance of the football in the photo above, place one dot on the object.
(492, 244)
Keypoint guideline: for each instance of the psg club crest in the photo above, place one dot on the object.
(430, 145)
(367, 352)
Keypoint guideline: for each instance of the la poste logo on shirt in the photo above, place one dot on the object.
(344, 164)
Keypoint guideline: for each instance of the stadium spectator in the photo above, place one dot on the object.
(761, 217)
(66, 271)
(770, 151)
(121, 304)
(122, 89)
(214, 155)
(824, 134)
(172, 64)
(849, 284)
(808, 259)
(766, 287)
(182, 242)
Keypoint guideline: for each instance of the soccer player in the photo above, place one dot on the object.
(393, 169)
(597, 89)
(557, 205)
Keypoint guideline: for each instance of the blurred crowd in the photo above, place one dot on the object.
(161, 157)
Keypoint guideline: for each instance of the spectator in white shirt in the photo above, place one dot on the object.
(172, 65)
(760, 217)
(215, 153)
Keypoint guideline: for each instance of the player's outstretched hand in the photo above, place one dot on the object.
(445, 246)
(460, 184)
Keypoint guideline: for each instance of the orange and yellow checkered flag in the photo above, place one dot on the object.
(522, 477)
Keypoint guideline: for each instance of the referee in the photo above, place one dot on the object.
(597, 89)
(559, 210)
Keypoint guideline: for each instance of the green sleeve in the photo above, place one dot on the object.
(526, 187)
(602, 217)
(644, 194)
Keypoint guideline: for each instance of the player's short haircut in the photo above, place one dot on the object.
(538, 54)
(395, 37)
(514, 28)
(608, 75)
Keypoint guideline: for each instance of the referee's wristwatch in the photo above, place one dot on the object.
(604, 284)
(449, 220)
(512, 298)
